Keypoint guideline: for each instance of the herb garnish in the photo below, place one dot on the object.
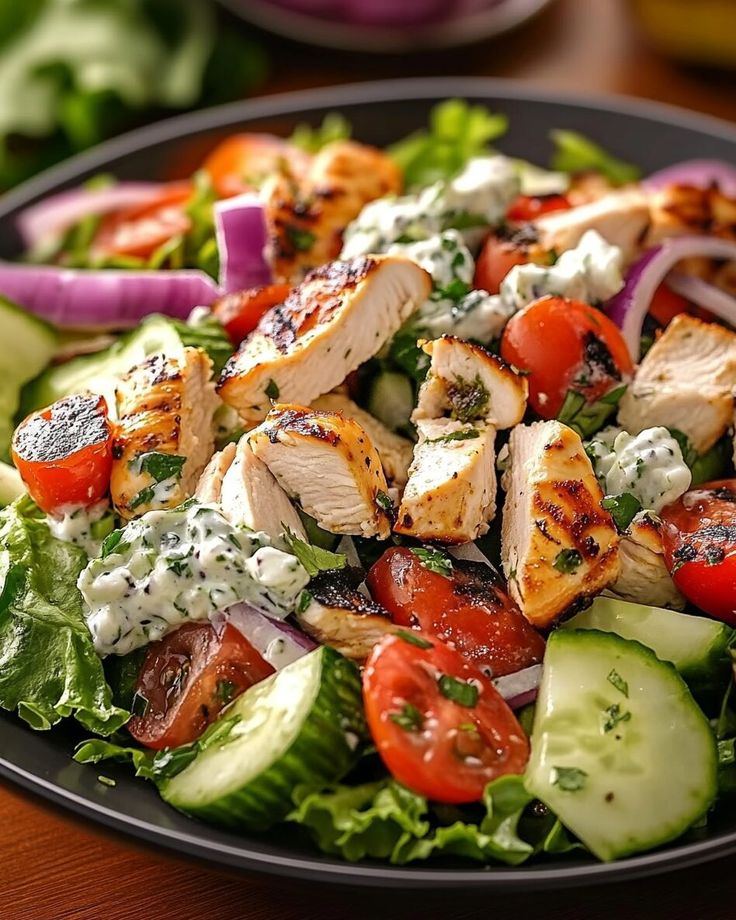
(413, 638)
(468, 398)
(113, 542)
(314, 559)
(567, 561)
(459, 691)
(570, 779)
(272, 389)
(305, 599)
(384, 502)
(618, 682)
(225, 690)
(465, 434)
(433, 559)
(614, 717)
(302, 240)
(144, 497)
(584, 418)
(159, 466)
(623, 509)
(410, 718)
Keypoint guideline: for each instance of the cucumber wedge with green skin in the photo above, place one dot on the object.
(391, 399)
(697, 646)
(30, 343)
(304, 724)
(621, 753)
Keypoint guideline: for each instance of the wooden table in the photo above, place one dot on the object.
(53, 868)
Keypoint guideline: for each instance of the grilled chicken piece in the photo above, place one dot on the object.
(684, 209)
(558, 546)
(165, 432)
(621, 218)
(328, 464)
(336, 319)
(644, 578)
(451, 493)
(470, 383)
(251, 497)
(307, 216)
(686, 381)
(395, 452)
(340, 616)
(209, 487)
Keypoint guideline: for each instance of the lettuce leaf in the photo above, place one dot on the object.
(575, 153)
(48, 666)
(384, 820)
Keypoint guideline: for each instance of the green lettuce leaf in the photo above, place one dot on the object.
(575, 153)
(457, 133)
(48, 666)
(386, 820)
(334, 127)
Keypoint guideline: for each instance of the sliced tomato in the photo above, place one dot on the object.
(241, 162)
(565, 345)
(699, 541)
(187, 678)
(139, 231)
(241, 311)
(529, 207)
(666, 305)
(438, 723)
(469, 609)
(496, 259)
(64, 453)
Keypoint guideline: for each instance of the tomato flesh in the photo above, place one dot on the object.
(188, 677)
(496, 259)
(138, 232)
(565, 345)
(438, 723)
(470, 610)
(699, 540)
(241, 162)
(64, 453)
(529, 207)
(241, 311)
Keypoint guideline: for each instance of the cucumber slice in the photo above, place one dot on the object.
(30, 345)
(620, 750)
(697, 646)
(11, 485)
(304, 724)
(391, 399)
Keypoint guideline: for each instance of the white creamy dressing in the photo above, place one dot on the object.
(84, 527)
(170, 567)
(648, 465)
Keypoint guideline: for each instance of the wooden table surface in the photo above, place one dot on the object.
(55, 868)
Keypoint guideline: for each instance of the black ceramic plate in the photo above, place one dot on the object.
(650, 135)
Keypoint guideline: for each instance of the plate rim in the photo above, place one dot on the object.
(316, 868)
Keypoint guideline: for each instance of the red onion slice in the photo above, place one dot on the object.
(629, 307)
(242, 238)
(105, 298)
(520, 688)
(703, 294)
(697, 173)
(49, 218)
(278, 642)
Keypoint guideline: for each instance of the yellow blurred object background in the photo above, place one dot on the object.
(696, 31)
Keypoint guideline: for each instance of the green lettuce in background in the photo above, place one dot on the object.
(48, 666)
(73, 72)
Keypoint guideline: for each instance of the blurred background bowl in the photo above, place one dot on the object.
(386, 26)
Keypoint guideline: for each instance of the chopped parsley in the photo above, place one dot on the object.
(302, 240)
(413, 638)
(384, 502)
(614, 716)
(409, 718)
(618, 682)
(158, 466)
(225, 690)
(305, 599)
(314, 559)
(272, 389)
(469, 398)
(623, 509)
(570, 779)
(433, 559)
(465, 434)
(567, 561)
(113, 542)
(459, 691)
(144, 497)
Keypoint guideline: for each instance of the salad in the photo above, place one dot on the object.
(386, 493)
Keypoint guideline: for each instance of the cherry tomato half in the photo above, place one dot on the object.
(241, 311)
(64, 452)
(188, 677)
(469, 609)
(565, 345)
(241, 162)
(496, 259)
(699, 540)
(529, 207)
(439, 724)
(138, 232)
